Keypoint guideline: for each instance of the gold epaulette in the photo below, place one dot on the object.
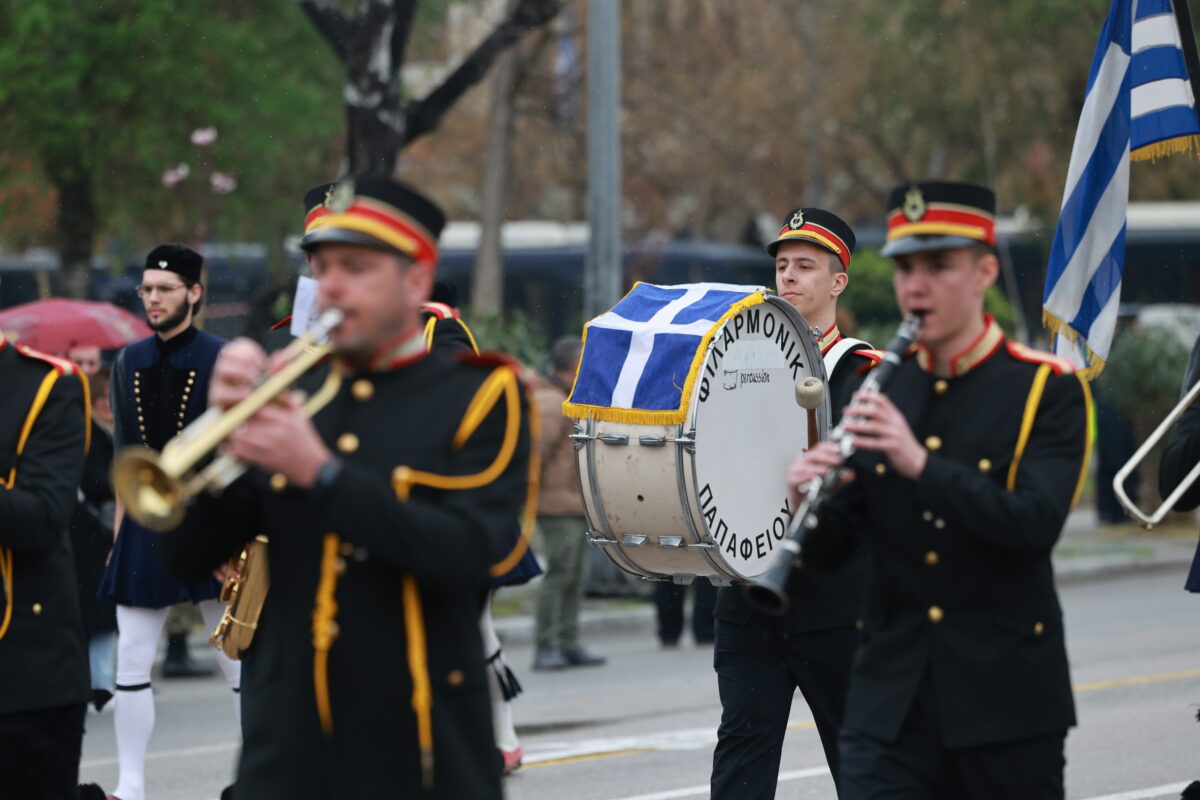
(61, 365)
(1060, 365)
(875, 355)
(439, 310)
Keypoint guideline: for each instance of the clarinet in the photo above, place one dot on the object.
(768, 593)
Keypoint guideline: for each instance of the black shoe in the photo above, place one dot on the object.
(90, 791)
(548, 658)
(100, 698)
(577, 656)
(178, 663)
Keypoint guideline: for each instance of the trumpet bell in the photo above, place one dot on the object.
(152, 497)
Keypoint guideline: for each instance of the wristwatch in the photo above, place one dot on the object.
(327, 475)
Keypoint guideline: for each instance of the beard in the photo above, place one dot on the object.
(171, 320)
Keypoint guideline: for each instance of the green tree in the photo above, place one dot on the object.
(102, 98)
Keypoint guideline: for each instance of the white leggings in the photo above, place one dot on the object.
(139, 630)
(493, 654)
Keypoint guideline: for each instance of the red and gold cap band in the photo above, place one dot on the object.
(380, 220)
(819, 234)
(944, 219)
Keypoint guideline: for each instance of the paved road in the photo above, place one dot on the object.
(642, 727)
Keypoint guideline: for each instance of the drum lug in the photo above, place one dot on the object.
(634, 539)
(652, 441)
(614, 438)
(670, 541)
(688, 440)
(682, 580)
(579, 438)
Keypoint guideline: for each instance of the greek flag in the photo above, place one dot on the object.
(1139, 105)
(640, 359)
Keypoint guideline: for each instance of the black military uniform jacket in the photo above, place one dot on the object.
(961, 590)
(43, 659)
(817, 601)
(376, 586)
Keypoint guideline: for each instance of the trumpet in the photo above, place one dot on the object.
(1148, 521)
(156, 488)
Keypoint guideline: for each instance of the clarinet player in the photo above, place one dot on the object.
(963, 476)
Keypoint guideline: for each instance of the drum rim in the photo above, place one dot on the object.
(824, 425)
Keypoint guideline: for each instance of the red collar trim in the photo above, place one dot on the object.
(984, 347)
(829, 338)
(3, 341)
(980, 350)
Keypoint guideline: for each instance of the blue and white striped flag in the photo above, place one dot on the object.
(641, 358)
(1140, 104)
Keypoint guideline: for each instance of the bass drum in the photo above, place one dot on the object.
(708, 497)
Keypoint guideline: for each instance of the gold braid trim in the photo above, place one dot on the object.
(532, 487)
(502, 381)
(39, 401)
(1031, 407)
(418, 668)
(325, 627)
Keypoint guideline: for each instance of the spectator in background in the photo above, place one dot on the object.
(560, 520)
(669, 600)
(92, 533)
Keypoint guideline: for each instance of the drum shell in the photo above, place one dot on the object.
(639, 482)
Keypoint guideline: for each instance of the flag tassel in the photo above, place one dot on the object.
(1167, 147)
(1093, 363)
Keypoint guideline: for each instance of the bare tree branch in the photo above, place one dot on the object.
(406, 11)
(330, 23)
(425, 115)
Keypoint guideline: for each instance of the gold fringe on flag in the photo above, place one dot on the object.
(1167, 147)
(1057, 327)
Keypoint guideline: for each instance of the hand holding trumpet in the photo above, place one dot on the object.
(279, 437)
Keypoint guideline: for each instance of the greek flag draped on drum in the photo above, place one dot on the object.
(688, 421)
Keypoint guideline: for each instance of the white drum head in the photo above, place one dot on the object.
(749, 429)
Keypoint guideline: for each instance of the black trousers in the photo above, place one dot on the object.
(668, 598)
(758, 672)
(918, 767)
(39, 752)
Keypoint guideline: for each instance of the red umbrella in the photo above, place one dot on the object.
(57, 324)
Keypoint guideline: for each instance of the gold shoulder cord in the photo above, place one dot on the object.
(39, 401)
(1031, 407)
(502, 382)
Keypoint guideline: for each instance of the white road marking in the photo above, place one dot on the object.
(691, 791)
(683, 739)
(1144, 794)
(181, 752)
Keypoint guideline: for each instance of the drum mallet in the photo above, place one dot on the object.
(810, 394)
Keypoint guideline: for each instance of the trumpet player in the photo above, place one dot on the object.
(962, 479)
(385, 513)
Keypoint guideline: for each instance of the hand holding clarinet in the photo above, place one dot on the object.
(870, 422)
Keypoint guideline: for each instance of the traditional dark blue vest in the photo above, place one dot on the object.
(157, 388)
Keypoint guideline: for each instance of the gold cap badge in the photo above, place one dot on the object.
(914, 205)
(340, 196)
(797, 220)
